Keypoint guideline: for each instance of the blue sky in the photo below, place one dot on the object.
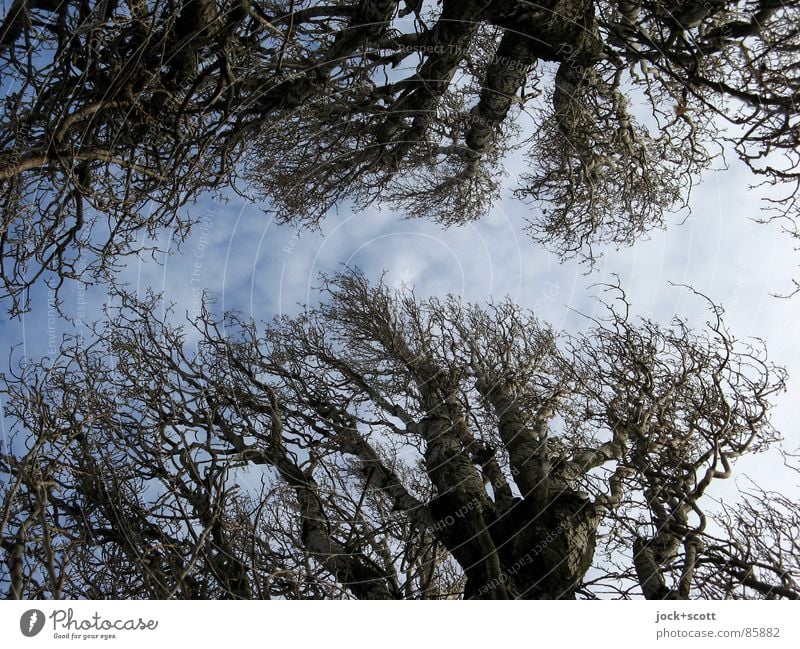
(250, 264)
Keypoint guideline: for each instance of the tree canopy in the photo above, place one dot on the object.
(119, 113)
(385, 447)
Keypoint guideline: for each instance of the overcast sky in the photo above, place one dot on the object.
(250, 264)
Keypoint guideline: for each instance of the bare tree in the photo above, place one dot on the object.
(119, 112)
(378, 446)
(758, 548)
